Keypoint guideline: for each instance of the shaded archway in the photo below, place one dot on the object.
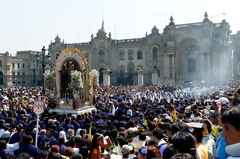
(101, 76)
(131, 69)
(187, 67)
(65, 75)
(121, 77)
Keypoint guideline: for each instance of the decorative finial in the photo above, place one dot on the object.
(92, 36)
(57, 39)
(110, 35)
(155, 30)
(205, 17)
(171, 21)
(146, 34)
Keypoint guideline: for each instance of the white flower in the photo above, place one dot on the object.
(94, 78)
(49, 80)
(76, 80)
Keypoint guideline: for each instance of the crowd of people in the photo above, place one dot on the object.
(174, 121)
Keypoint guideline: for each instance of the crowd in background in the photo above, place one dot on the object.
(146, 122)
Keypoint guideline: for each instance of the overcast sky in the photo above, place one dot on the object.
(31, 24)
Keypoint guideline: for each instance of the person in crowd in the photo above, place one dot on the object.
(28, 147)
(184, 142)
(201, 148)
(231, 131)
(97, 145)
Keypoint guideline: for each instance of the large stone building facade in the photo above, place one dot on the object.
(187, 52)
(19, 70)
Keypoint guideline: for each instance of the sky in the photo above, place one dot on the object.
(32, 24)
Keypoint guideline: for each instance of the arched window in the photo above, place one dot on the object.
(139, 55)
(57, 56)
(0, 63)
(130, 55)
(191, 65)
(122, 55)
(1, 78)
(131, 67)
(101, 55)
(155, 53)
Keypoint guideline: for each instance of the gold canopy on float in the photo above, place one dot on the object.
(67, 55)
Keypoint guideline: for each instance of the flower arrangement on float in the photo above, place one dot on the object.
(76, 80)
(49, 80)
(94, 78)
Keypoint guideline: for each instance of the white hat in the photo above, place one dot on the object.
(131, 130)
(126, 149)
(223, 100)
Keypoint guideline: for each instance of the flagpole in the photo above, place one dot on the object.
(36, 139)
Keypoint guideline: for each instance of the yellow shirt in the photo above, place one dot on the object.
(203, 151)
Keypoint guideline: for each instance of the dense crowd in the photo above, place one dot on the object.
(166, 121)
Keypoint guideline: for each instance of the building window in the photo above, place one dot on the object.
(122, 55)
(192, 65)
(155, 53)
(13, 74)
(101, 55)
(130, 55)
(18, 74)
(139, 55)
(0, 63)
(18, 65)
(13, 65)
(23, 65)
(23, 74)
(217, 35)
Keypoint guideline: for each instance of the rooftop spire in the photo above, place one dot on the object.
(103, 26)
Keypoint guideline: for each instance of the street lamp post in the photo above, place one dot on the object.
(43, 59)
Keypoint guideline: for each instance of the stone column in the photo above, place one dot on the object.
(140, 77)
(106, 77)
(166, 72)
(173, 67)
(154, 78)
(170, 67)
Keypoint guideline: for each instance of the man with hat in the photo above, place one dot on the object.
(126, 151)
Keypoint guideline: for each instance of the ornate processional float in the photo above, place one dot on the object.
(73, 88)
